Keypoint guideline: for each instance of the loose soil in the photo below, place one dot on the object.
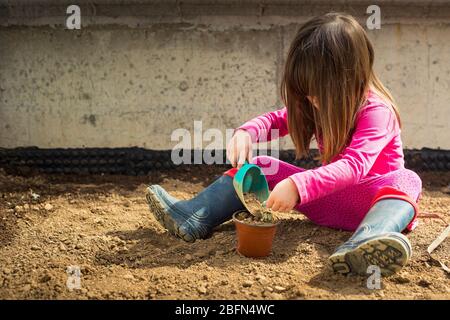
(248, 218)
(259, 214)
(102, 225)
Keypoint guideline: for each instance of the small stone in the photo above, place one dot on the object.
(247, 283)
(48, 207)
(128, 277)
(34, 248)
(270, 289)
(424, 283)
(279, 289)
(223, 282)
(200, 254)
(234, 291)
(201, 289)
(57, 288)
(205, 277)
(26, 287)
(300, 293)
(277, 296)
(26, 206)
(262, 280)
(188, 257)
(62, 247)
(18, 209)
(45, 278)
(6, 270)
(401, 280)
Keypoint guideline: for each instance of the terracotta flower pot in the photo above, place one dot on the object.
(254, 241)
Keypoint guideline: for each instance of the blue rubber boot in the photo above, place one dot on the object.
(377, 241)
(195, 218)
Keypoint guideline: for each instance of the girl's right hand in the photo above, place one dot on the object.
(239, 148)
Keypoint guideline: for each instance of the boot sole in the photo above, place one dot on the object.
(164, 219)
(390, 254)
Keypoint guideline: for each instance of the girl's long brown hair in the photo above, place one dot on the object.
(330, 59)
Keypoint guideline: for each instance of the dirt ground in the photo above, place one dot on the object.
(103, 225)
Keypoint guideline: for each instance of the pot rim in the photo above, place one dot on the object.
(265, 225)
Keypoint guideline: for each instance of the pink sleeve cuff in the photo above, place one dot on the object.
(300, 182)
(251, 130)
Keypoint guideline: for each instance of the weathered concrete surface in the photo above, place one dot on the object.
(138, 13)
(116, 86)
(130, 87)
(414, 63)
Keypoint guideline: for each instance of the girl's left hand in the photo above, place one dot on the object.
(284, 197)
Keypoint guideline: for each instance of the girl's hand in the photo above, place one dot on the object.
(284, 197)
(239, 148)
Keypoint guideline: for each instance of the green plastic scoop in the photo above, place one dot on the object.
(250, 179)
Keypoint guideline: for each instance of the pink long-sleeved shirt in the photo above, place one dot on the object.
(375, 149)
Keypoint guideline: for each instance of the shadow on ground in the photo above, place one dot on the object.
(155, 249)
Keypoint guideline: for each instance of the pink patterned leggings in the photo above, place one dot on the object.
(343, 209)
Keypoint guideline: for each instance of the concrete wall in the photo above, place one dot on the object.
(128, 83)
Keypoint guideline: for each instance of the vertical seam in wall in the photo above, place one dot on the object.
(279, 66)
(429, 85)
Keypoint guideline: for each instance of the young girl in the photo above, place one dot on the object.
(332, 94)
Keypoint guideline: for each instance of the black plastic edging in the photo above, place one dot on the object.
(139, 161)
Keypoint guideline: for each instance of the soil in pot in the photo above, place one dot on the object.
(259, 213)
